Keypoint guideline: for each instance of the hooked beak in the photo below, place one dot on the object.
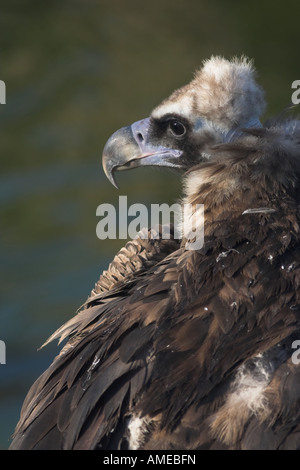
(130, 147)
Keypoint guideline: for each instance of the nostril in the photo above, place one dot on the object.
(140, 131)
(140, 137)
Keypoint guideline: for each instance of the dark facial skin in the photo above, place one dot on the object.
(170, 141)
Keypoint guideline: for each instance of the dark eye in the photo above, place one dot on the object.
(177, 128)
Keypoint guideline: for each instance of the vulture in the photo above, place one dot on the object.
(187, 349)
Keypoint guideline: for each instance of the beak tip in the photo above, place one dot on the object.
(109, 168)
(110, 176)
(114, 183)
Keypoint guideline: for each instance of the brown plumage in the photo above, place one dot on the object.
(190, 349)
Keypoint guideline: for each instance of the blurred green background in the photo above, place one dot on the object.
(75, 71)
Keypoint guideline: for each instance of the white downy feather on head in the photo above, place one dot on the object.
(223, 94)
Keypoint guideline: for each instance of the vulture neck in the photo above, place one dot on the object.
(232, 133)
(254, 178)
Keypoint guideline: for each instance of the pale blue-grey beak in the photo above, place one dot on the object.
(130, 147)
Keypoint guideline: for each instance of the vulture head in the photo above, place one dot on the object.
(213, 108)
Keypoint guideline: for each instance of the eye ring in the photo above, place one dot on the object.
(177, 128)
